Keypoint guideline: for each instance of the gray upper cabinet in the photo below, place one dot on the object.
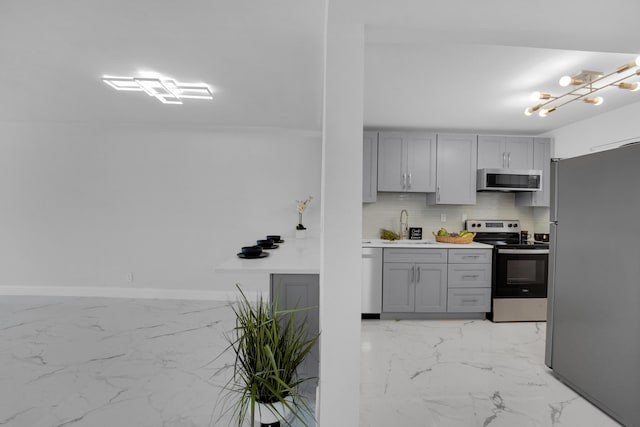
(505, 152)
(541, 161)
(407, 162)
(370, 167)
(456, 170)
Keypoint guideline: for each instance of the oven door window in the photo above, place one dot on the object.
(521, 276)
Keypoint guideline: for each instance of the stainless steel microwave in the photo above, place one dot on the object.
(509, 180)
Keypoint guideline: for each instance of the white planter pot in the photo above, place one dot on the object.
(271, 413)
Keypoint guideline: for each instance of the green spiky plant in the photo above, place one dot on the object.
(268, 347)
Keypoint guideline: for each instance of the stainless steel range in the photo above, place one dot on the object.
(519, 279)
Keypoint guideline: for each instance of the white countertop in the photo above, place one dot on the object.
(294, 256)
(420, 244)
(302, 256)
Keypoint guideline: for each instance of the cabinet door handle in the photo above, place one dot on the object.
(504, 159)
(413, 274)
(508, 159)
(470, 276)
(409, 181)
(404, 180)
(438, 194)
(418, 268)
(470, 256)
(469, 300)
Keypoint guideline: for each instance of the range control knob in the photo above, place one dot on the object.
(510, 225)
(515, 225)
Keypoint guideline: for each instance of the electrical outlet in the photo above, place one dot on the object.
(443, 217)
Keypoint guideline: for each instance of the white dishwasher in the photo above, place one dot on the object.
(371, 282)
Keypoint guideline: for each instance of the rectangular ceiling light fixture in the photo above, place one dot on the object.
(167, 91)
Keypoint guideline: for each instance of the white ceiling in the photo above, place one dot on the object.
(455, 65)
(263, 59)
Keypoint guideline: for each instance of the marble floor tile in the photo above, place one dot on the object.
(464, 373)
(111, 362)
(98, 362)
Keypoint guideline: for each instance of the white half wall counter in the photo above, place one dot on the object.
(293, 256)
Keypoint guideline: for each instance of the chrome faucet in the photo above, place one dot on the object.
(404, 224)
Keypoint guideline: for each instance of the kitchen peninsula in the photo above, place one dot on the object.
(293, 256)
(294, 280)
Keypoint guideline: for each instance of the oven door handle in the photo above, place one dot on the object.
(524, 251)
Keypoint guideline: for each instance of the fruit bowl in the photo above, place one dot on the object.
(467, 238)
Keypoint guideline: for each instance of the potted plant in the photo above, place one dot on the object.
(301, 205)
(268, 348)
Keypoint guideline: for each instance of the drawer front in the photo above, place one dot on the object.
(469, 275)
(470, 256)
(429, 256)
(473, 300)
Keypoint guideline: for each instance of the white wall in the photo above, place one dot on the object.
(86, 206)
(341, 266)
(621, 125)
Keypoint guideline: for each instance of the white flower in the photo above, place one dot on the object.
(302, 204)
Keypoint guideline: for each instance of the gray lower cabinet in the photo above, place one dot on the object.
(301, 291)
(465, 300)
(414, 281)
(436, 280)
(469, 281)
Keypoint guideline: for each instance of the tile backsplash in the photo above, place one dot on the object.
(385, 213)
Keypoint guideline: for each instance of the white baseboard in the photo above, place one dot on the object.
(143, 293)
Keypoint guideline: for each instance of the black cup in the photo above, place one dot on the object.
(274, 237)
(252, 250)
(265, 243)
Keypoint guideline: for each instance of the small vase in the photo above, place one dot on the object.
(301, 234)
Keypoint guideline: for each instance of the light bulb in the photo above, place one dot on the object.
(568, 80)
(535, 96)
(545, 111)
(595, 101)
(629, 86)
(565, 81)
(529, 111)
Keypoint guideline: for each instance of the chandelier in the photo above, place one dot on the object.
(585, 84)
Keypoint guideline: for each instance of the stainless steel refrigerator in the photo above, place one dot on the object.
(593, 327)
